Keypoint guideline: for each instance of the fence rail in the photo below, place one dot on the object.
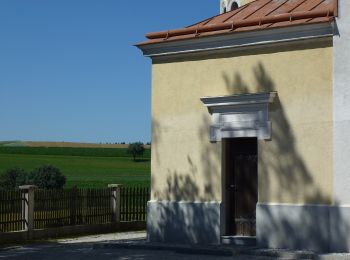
(56, 208)
(11, 211)
(69, 207)
(133, 203)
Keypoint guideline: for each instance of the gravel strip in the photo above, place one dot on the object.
(135, 235)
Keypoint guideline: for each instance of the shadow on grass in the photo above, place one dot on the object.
(142, 160)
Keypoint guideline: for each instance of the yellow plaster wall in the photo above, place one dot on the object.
(294, 167)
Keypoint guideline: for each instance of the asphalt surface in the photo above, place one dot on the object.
(84, 251)
(94, 247)
(133, 246)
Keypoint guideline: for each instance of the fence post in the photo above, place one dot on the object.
(115, 201)
(73, 205)
(28, 206)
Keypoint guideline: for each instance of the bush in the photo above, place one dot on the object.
(47, 177)
(13, 178)
(136, 149)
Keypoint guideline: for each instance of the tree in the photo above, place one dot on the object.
(136, 149)
(47, 177)
(13, 178)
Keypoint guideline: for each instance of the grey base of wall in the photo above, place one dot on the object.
(319, 228)
(67, 231)
(183, 222)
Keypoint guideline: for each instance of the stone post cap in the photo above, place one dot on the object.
(114, 185)
(27, 187)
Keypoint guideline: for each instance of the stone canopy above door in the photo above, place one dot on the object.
(245, 115)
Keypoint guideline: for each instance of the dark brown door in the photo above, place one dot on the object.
(241, 186)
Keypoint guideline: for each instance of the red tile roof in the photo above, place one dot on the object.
(257, 15)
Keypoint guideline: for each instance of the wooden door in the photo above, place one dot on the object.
(241, 186)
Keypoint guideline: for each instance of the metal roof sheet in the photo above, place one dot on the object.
(256, 15)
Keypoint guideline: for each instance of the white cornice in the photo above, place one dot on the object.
(239, 40)
(243, 115)
(238, 100)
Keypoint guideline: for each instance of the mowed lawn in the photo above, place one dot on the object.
(86, 171)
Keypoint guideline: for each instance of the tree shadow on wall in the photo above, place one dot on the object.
(283, 174)
(195, 217)
(284, 177)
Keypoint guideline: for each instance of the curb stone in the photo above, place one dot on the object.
(209, 250)
(176, 248)
(334, 257)
(279, 253)
(220, 250)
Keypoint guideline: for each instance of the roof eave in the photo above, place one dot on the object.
(238, 39)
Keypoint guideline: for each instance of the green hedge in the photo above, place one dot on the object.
(67, 151)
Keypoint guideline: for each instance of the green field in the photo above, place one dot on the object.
(84, 167)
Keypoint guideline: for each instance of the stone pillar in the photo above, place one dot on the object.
(28, 206)
(115, 201)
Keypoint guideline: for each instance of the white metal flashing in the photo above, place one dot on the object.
(239, 40)
(341, 105)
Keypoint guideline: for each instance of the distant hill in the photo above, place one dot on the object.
(61, 144)
(12, 143)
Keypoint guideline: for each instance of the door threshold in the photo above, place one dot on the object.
(238, 240)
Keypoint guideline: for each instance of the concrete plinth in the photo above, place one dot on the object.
(184, 222)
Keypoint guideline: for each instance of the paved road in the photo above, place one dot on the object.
(85, 251)
(87, 247)
(83, 248)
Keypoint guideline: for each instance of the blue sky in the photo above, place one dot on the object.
(69, 70)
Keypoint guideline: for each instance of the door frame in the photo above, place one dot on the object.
(225, 208)
(237, 116)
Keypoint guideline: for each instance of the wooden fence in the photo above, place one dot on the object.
(133, 203)
(11, 211)
(56, 208)
(69, 207)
